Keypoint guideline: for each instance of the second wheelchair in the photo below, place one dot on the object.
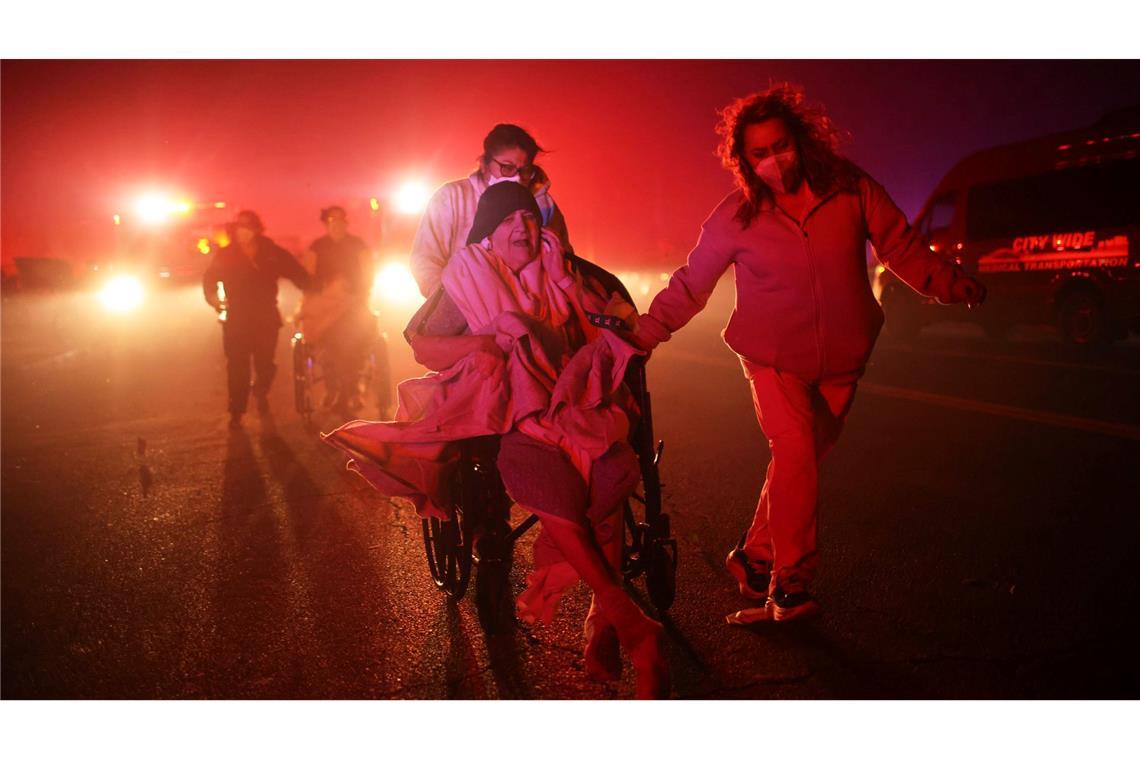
(312, 369)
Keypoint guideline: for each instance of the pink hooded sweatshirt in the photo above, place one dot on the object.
(803, 299)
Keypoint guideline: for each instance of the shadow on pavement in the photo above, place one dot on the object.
(462, 659)
(344, 598)
(507, 666)
(249, 607)
(461, 663)
(839, 671)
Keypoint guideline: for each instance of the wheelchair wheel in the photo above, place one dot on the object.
(661, 565)
(448, 550)
(303, 376)
(493, 598)
(633, 537)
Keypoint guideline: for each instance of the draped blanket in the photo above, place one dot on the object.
(322, 310)
(558, 379)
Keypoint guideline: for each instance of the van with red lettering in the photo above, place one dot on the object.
(1050, 225)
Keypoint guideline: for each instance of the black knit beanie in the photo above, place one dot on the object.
(498, 202)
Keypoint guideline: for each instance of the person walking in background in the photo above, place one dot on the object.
(335, 313)
(508, 155)
(805, 319)
(248, 269)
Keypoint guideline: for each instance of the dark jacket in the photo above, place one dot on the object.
(251, 284)
(346, 259)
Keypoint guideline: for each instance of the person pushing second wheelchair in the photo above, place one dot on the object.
(335, 313)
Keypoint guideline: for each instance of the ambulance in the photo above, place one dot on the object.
(1050, 225)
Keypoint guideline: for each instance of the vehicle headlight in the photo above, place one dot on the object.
(412, 197)
(122, 294)
(394, 283)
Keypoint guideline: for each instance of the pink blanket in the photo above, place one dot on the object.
(321, 311)
(559, 379)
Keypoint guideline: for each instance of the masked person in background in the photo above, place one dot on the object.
(248, 269)
(805, 319)
(334, 314)
(508, 156)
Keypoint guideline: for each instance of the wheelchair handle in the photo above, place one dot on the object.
(607, 321)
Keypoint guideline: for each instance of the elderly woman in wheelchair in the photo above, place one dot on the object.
(523, 360)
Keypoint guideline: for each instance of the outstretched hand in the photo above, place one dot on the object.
(643, 342)
(632, 331)
(649, 334)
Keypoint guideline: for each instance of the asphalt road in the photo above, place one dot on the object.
(978, 524)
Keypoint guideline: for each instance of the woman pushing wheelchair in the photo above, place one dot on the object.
(515, 355)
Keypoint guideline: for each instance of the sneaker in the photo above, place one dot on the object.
(780, 608)
(791, 605)
(752, 576)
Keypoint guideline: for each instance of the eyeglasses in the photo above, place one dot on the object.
(507, 169)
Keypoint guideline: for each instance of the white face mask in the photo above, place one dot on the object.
(777, 171)
(496, 180)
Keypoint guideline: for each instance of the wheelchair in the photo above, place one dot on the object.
(308, 373)
(479, 538)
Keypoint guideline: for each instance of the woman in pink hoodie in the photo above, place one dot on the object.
(805, 320)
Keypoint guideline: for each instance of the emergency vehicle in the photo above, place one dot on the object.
(1050, 225)
(165, 241)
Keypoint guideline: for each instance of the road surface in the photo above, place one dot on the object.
(978, 524)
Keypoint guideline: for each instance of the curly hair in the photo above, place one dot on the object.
(816, 137)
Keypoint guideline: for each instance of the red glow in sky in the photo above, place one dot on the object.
(631, 142)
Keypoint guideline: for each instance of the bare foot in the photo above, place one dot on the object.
(602, 653)
(643, 639)
(649, 663)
